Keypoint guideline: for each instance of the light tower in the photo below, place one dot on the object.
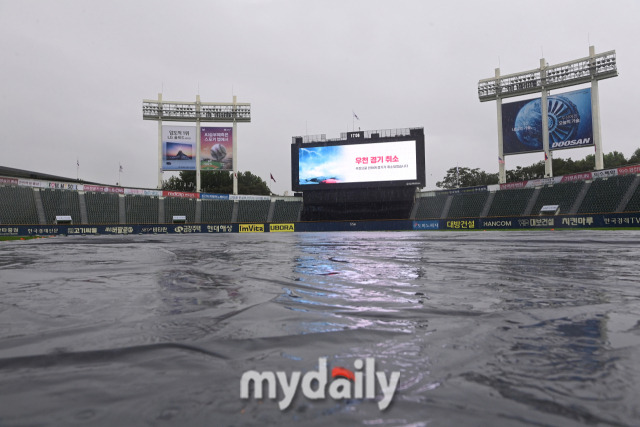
(217, 112)
(590, 69)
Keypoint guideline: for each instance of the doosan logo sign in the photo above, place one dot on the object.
(361, 383)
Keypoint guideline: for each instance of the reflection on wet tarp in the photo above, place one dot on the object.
(485, 328)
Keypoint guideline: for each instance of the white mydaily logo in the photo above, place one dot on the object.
(345, 384)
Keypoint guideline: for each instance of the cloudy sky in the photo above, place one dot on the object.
(74, 73)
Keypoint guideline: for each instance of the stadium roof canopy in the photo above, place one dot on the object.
(21, 173)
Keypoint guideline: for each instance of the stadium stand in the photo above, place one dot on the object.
(467, 205)
(179, 206)
(563, 195)
(634, 202)
(253, 210)
(102, 208)
(141, 209)
(17, 205)
(217, 210)
(60, 202)
(430, 207)
(285, 211)
(604, 195)
(510, 202)
(41, 204)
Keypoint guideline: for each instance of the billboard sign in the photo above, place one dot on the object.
(336, 165)
(216, 148)
(178, 148)
(569, 118)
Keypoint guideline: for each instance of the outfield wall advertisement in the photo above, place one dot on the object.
(357, 163)
(216, 148)
(612, 220)
(569, 117)
(178, 148)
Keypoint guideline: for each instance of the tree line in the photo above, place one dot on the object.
(218, 182)
(468, 177)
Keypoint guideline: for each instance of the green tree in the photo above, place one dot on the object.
(635, 157)
(614, 159)
(467, 177)
(218, 182)
(520, 173)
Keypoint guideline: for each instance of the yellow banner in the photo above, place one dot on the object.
(281, 227)
(251, 228)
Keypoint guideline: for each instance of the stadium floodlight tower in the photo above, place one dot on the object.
(217, 112)
(586, 70)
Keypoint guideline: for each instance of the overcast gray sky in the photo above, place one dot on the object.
(74, 74)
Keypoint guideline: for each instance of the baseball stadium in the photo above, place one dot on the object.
(363, 299)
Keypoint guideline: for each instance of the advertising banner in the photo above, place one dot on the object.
(611, 220)
(432, 224)
(251, 228)
(278, 228)
(569, 117)
(216, 148)
(141, 192)
(12, 181)
(182, 194)
(247, 197)
(384, 161)
(606, 173)
(103, 189)
(582, 176)
(178, 148)
(629, 169)
(31, 183)
(214, 196)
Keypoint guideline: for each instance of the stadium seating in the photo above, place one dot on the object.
(510, 202)
(253, 210)
(430, 207)
(604, 195)
(141, 209)
(563, 195)
(216, 211)
(26, 205)
(60, 202)
(634, 202)
(102, 208)
(465, 205)
(17, 205)
(285, 211)
(179, 206)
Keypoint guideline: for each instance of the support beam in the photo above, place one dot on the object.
(160, 144)
(198, 144)
(595, 115)
(234, 137)
(502, 174)
(544, 108)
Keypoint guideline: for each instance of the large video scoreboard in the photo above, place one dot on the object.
(361, 160)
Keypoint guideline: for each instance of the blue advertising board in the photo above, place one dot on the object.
(214, 196)
(583, 221)
(569, 118)
(431, 224)
(178, 148)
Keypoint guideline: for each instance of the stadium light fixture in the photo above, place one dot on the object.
(197, 112)
(586, 70)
